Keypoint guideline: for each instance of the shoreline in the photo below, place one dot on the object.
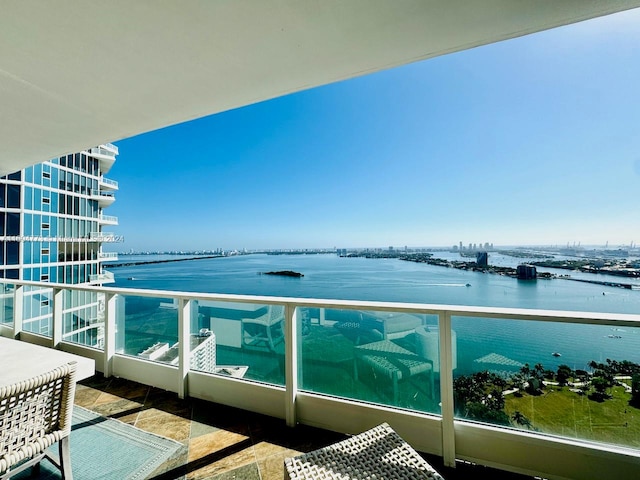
(149, 262)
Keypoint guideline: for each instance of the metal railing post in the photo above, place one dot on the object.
(56, 317)
(291, 363)
(184, 345)
(446, 390)
(110, 328)
(18, 309)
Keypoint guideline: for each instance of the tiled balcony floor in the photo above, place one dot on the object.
(221, 442)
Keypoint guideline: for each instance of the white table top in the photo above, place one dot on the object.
(22, 360)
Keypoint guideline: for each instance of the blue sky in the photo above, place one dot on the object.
(535, 140)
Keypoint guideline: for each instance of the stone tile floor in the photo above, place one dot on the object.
(221, 442)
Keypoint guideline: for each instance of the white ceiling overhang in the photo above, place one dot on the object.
(79, 73)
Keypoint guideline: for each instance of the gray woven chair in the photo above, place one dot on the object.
(379, 453)
(34, 414)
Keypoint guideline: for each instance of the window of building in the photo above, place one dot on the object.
(15, 176)
(46, 200)
(45, 251)
(44, 278)
(46, 175)
(13, 224)
(45, 226)
(13, 253)
(12, 274)
(13, 196)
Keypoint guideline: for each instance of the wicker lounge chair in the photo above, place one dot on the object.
(378, 453)
(34, 414)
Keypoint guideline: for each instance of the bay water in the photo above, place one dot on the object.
(328, 276)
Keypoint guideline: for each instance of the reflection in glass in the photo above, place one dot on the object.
(376, 357)
(571, 380)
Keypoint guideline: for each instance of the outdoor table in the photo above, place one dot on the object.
(22, 360)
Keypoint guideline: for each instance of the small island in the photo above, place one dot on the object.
(286, 273)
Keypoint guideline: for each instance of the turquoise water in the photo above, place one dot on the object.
(332, 277)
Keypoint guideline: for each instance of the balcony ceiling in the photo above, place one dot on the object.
(79, 73)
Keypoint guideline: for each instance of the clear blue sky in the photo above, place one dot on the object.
(530, 141)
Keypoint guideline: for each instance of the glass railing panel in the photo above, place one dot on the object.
(37, 311)
(570, 380)
(83, 318)
(6, 303)
(386, 358)
(147, 327)
(241, 340)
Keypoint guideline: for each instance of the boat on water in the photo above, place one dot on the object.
(556, 354)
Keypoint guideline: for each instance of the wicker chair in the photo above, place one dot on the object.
(35, 414)
(378, 453)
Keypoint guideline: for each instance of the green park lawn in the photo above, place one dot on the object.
(563, 412)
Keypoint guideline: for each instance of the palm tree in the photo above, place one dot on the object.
(520, 419)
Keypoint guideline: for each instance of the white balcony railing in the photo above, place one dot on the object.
(108, 183)
(104, 277)
(108, 219)
(106, 155)
(302, 357)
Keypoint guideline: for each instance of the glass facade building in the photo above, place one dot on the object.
(51, 230)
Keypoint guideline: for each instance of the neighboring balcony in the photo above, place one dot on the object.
(107, 219)
(105, 154)
(111, 256)
(104, 277)
(448, 378)
(104, 199)
(107, 184)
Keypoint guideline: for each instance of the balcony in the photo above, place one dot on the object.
(104, 277)
(107, 219)
(106, 156)
(104, 199)
(112, 256)
(345, 366)
(107, 184)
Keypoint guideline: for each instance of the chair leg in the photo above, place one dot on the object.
(65, 459)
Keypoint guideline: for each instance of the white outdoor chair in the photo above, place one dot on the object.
(265, 331)
(34, 414)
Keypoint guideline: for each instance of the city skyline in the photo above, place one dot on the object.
(524, 142)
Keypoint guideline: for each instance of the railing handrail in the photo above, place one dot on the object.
(561, 316)
(101, 193)
(446, 426)
(108, 181)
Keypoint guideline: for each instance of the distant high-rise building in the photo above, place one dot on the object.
(51, 230)
(482, 259)
(526, 272)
